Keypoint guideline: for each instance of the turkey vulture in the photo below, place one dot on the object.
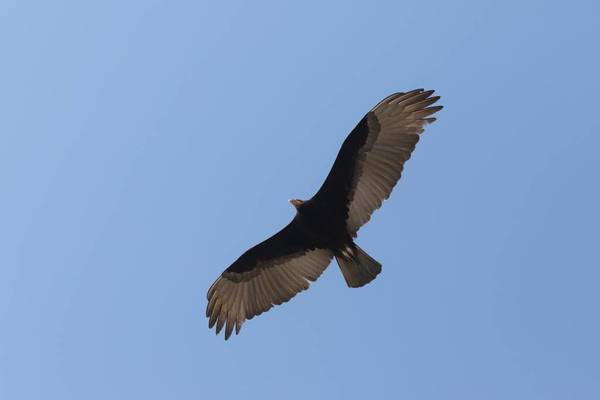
(363, 175)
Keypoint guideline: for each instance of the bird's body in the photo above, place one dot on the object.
(363, 175)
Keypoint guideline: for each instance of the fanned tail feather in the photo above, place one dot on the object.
(359, 268)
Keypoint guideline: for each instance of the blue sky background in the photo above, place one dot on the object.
(144, 145)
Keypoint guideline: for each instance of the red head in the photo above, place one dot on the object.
(296, 202)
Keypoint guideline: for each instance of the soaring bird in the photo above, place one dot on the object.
(363, 175)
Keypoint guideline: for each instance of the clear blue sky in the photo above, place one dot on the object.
(145, 145)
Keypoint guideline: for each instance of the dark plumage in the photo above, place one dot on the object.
(363, 175)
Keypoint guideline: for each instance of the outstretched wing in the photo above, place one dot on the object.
(268, 274)
(372, 157)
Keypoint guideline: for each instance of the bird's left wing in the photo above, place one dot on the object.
(372, 157)
(268, 274)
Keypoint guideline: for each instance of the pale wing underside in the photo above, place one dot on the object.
(235, 297)
(394, 128)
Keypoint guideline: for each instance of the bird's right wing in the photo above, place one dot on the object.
(372, 157)
(268, 274)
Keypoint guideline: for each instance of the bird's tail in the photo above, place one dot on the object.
(357, 266)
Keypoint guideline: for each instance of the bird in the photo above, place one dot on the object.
(366, 169)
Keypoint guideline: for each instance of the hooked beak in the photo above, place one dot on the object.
(296, 202)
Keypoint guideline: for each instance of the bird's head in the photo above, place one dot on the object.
(296, 203)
